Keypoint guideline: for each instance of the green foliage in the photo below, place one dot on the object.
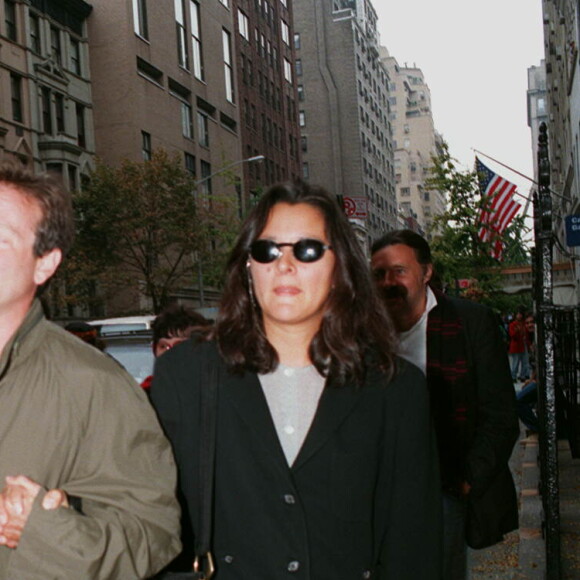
(142, 225)
(458, 253)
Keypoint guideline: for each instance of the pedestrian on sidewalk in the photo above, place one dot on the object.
(88, 478)
(517, 347)
(325, 463)
(458, 345)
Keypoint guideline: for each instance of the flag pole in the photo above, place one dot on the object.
(527, 197)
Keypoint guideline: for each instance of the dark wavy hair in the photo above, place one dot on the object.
(407, 238)
(355, 332)
(177, 320)
(56, 228)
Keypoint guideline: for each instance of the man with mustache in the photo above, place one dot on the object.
(457, 344)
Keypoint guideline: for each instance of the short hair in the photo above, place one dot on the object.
(407, 238)
(56, 226)
(355, 319)
(177, 320)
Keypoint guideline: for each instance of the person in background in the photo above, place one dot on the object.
(173, 325)
(325, 459)
(530, 360)
(458, 346)
(517, 346)
(87, 475)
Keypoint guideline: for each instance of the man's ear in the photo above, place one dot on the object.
(46, 266)
(428, 273)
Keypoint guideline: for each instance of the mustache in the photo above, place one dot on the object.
(394, 292)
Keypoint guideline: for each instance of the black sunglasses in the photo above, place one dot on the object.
(307, 250)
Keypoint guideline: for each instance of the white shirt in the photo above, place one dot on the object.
(413, 342)
(292, 394)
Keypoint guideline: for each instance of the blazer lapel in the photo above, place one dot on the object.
(335, 405)
(246, 396)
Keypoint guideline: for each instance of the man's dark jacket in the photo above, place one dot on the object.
(473, 402)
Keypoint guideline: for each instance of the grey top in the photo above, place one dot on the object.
(292, 394)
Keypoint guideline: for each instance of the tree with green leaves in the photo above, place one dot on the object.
(141, 229)
(458, 252)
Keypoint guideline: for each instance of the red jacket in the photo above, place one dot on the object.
(517, 332)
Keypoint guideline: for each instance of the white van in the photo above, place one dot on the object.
(123, 324)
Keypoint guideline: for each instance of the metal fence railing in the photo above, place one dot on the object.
(567, 375)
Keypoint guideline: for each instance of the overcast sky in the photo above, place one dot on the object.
(474, 57)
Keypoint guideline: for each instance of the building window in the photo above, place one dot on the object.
(298, 65)
(148, 71)
(140, 18)
(146, 150)
(205, 184)
(304, 143)
(297, 41)
(46, 110)
(190, 163)
(35, 44)
(59, 109)
(16, 95)
(302, 118)
(81, 126)
(228, 70)
(288, 70)
(186, 120)
(72, 177)
(55, 168)
(225, 3)
(203, 129)
(196, 40)
(55, 46)
(243, 25)
(305, 170)
(10, 20)
(182, 56)
(300, 92)
(75, 56)
(285, 32)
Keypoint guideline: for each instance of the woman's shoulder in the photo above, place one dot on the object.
(402, 376)
(188, 355)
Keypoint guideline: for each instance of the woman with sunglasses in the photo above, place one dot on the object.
(325, 462)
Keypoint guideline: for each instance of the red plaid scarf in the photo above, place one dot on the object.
(448, 382)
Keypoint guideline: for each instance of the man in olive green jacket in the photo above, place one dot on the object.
(87, 478)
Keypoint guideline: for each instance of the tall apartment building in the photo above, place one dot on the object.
(164, 76)
(415, 143)
(343, 110)
(561, 43)
(537, 106)
(267, 91)
(45, 90)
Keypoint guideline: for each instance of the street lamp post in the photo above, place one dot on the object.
(254, 159)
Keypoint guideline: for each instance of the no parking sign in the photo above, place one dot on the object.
(355, 207)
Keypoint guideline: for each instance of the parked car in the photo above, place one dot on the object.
(123, 324)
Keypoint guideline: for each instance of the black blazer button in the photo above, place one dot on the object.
(289, 499)
(293, 566)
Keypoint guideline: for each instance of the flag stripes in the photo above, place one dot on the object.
(502, 208)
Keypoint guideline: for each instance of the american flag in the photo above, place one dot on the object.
(501, 209)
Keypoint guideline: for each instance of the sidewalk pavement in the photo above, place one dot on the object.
(521, 556)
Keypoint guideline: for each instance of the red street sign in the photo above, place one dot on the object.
(355, 207)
